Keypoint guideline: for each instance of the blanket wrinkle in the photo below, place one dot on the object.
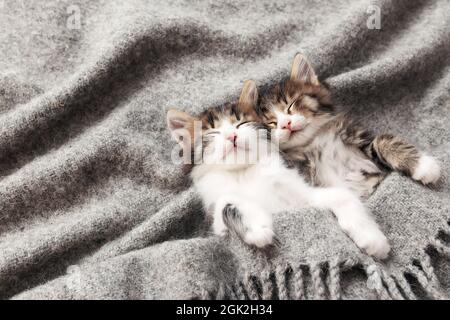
(91, 205)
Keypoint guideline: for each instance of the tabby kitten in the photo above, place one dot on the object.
(243, 181)
(335, 151)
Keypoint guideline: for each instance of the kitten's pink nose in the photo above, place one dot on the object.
(286, 125)
(232, 137)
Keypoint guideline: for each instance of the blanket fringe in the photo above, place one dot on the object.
(334, 280)
(299, 284)
(404, 286)
(446, 230)
(323, 280)
(441, 248)
(223, 292)
(424, 282)
(318, 284)
(285, 282)
(375, 282)
(250, 287)
(391, 286)
(240, 291)
(281, 277)
(267, 286)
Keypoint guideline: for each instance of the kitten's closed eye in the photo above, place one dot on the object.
(242, 123)
(290, 106)
(272, 124)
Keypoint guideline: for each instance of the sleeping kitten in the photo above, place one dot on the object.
(243, 181)
(335, 151)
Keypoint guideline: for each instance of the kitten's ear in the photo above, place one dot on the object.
(303, 71)
(181, 126)
(249, 96)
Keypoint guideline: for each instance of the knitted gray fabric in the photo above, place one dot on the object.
(91, 205)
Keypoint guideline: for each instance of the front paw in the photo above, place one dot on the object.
(260, 237)
(427, 170)
(374, 243)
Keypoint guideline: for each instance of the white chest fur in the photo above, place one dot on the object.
(266, 183)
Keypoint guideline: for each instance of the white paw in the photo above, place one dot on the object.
(427, 170)
(374, 243)
(259, 236)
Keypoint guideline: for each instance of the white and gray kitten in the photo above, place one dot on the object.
(334, 150)
(243, 181)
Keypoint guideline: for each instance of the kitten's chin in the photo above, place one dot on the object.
(240, 157)
(287, 138)
(297, 138)
(282, 136)
(236, 158)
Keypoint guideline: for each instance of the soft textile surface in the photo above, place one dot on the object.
(91, 205)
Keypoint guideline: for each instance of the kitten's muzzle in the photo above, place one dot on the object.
(232, 137)
(287, 125)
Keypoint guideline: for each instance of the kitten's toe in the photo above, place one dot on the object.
(427, 170)
(376, 245)
(260, 237)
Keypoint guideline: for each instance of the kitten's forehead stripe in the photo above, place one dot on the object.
(210, 118)
(235, 112)
(232, 112)
(292, 96)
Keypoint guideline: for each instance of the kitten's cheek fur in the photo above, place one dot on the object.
(427, 170)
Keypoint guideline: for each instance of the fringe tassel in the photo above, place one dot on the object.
(391, 286)
(205, 295)
(424, 282)
(266, 285)
(318, 285)
(299, 284)
(440, 247)
(447, 229)
(239, 291)
(375, 282)
(250, 287)
(281, 280)
(231, 293)
(221, 292)
(427, 267)
(404, 286)
(285, 282)
(334, 280)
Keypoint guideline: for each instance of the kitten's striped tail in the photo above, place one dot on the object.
(397, 154)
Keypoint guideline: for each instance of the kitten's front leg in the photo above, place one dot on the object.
(353, 219)
(249, 221)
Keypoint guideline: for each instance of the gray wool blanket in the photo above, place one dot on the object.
(91, 205)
